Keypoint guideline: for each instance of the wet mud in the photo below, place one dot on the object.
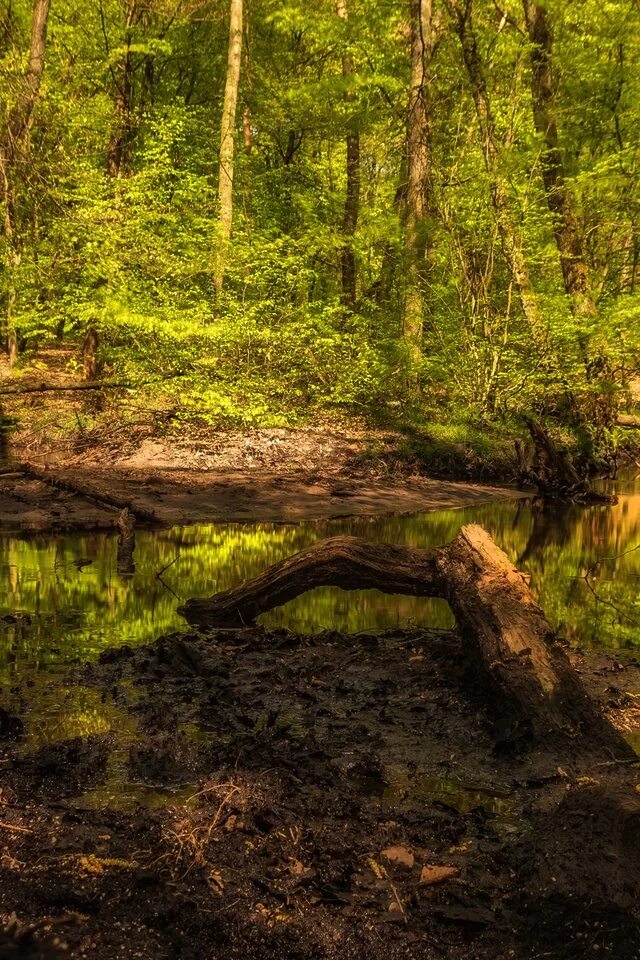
(186, 497)
(324, 796)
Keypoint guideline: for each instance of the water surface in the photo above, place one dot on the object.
(64, 602)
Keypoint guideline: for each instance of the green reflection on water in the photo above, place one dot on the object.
(77, 605)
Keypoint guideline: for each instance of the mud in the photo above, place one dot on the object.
(346, 802)
(188, 496)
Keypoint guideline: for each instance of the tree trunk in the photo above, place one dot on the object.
(543, 90)
(527, 678)
(90, 354)
(602, 409)
(13, 150)
(418, 179)
(119, 152)
(553, 472)
(352, 199)
(509, 234)
(227, 142)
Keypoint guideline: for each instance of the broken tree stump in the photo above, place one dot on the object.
(525, 675)
(553, 472)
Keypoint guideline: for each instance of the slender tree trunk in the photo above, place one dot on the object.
(417, 198)
(119, 152)
(543, 89)
(352, 199)
(227, 142)
(13, 150)
(509, 234)
(247, 132)
(602, 409)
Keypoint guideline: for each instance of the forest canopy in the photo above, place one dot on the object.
(349, 204)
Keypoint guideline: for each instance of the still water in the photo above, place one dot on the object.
(63, 602)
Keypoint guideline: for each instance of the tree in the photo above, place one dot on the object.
(417, 199)
(119, 150)
(575, 272)
(13, 151)
(509, 233)
(227, 141)
(352, 198)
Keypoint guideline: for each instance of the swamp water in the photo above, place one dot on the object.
(62, 601)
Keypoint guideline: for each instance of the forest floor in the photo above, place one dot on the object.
(202, 474)
(353, 804)
(135, 445)
(186, 497)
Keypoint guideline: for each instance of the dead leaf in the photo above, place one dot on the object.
(298, 869)
(92, 864)
(432, 875)
(378, 870)
(402, 856)
(216, 882)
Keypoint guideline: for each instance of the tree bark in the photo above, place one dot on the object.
(575, 272)
(119, 151)
(227, 142)
(417, 196)
(352, 198)
(527, 678)
(602, 409)
(13, 151)
(509, 234)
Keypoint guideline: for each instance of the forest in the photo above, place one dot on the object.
(319, 479)
(425, 212)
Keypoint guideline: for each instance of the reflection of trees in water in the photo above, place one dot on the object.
(82, 606)
(551, 526)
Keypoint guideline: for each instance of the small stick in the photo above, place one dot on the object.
(399, 902)
(170, 564)
(14, 827)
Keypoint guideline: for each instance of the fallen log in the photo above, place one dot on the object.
(67, 387)
(89, 385)
(526, 675)
(84, 490)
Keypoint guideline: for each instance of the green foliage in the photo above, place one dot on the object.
(134, 255)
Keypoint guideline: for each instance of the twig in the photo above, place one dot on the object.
(597, 596)
(167, 587)
(399, 902)
(15, 828)
(618, 763)
(170, 564)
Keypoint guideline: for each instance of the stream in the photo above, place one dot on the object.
(62, 601)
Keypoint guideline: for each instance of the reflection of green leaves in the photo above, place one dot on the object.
(77, 613)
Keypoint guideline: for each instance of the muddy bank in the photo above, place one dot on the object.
(347, 801)
(192, 496)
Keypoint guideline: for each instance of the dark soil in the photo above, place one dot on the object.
(334, 775)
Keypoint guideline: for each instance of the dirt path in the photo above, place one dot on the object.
(190, 496)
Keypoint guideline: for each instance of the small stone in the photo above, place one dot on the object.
(400, 856)
(432, 875)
